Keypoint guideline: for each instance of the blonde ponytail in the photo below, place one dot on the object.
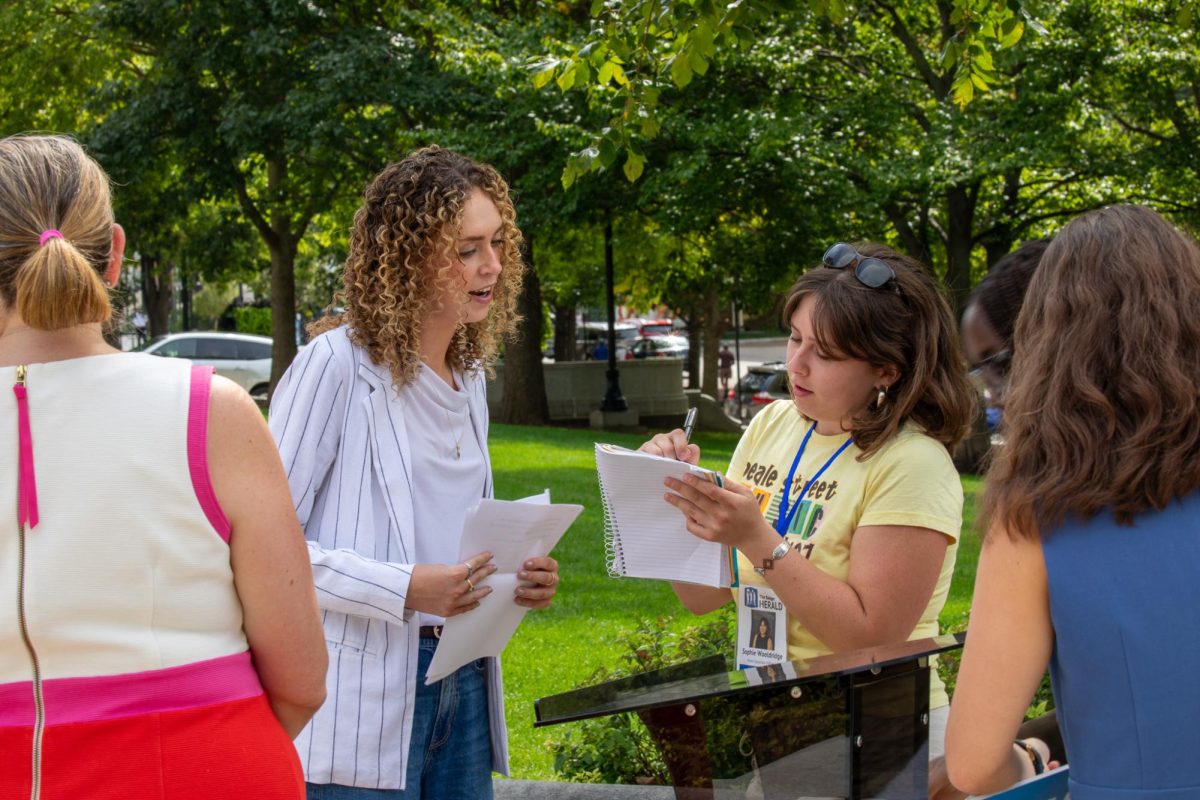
(56, 288)
(53, 282)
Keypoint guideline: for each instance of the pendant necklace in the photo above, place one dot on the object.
(457, 436)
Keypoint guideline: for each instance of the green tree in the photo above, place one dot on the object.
(637, 48)
(53, 60)
(1148, 88)
(279, 106)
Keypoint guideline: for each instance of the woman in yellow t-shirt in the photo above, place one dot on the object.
(844, 505)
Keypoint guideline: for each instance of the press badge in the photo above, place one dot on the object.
(762, 627)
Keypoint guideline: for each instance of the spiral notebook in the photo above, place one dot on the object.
(644, 535)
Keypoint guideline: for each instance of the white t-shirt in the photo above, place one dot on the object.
(449, 473)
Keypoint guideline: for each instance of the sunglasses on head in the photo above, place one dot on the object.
(869, 270)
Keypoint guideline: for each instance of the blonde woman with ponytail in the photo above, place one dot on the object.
(158, 627)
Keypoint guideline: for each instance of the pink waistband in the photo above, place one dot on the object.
(70, 700)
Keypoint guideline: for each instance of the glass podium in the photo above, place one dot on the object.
(847, 725)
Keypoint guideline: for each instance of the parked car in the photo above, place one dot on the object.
(241, 357)
(588, 334)
(660, 347)
(656, 327)
(758, 388)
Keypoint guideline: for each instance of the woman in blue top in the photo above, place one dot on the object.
(1091, 561)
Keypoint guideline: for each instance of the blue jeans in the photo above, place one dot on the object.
(450, 755)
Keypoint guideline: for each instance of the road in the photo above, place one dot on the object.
(757, 351)
(753, 353)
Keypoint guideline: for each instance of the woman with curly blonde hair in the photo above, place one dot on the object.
(382, 424)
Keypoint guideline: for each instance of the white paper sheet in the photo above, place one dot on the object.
(513, 531)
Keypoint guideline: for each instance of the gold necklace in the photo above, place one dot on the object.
(458, 436)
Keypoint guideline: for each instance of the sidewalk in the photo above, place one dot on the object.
(553, 790)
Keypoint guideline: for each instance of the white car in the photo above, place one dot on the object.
(240, 357)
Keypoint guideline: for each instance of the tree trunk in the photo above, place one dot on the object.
(711, 341)
(996, 249)
(910, 238)
(564, 332)
(157, 283)
(524, 400)
(960, 206)
(695, 349)
(282, 246)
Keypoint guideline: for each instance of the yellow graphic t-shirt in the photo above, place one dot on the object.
(910, 481)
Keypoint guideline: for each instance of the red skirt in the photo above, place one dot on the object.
(234, 749)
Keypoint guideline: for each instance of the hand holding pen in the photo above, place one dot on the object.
(676, 444)
(689, 422)
(720, 511)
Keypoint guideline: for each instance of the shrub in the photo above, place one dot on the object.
(618, 748)
(252, 319)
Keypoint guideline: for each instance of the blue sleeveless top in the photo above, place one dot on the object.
(1125, 603)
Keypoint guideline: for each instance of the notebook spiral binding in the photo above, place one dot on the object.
(614, 557)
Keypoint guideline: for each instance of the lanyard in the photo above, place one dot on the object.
(785, 515)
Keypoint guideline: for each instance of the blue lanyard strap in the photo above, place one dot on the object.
(785, 514)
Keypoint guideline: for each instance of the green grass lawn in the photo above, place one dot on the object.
(557, 648)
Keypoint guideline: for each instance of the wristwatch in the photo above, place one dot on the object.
(781, 550)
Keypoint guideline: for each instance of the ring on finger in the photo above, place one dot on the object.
(470, 569)
(470, 584)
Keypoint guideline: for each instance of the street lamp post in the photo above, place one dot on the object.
(613, 399)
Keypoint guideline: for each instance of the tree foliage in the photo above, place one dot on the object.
(278, 106)
(727, 144)
(637, 48)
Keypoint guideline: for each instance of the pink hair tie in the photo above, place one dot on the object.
(47, 235)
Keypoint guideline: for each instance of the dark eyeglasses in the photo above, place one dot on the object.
(869, 270)
(997, 363)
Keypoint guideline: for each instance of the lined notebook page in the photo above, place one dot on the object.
(645, 536)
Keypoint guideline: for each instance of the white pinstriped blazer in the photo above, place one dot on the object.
(340, 427)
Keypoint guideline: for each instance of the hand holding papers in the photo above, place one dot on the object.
(513, 532)
(645, 537)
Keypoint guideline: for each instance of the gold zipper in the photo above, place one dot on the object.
(39, 705)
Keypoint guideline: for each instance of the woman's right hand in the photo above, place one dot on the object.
(673, 445)
(449, 589)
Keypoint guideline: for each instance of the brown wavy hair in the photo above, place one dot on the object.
(1103, 411)
(409, 221)
(906, 324)
(48, 182)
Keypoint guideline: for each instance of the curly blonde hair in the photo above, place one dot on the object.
(410, 220)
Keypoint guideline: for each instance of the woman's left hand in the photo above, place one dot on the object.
(729, 515)
(539, 582)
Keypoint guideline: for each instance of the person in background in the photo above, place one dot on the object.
(990, 317)
(600, 351)
(987, 326)
(382, 423)
(1092, 520)
(879, 397)
(987, 332)
(139, 326)
(159, 635)
(725, 360)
